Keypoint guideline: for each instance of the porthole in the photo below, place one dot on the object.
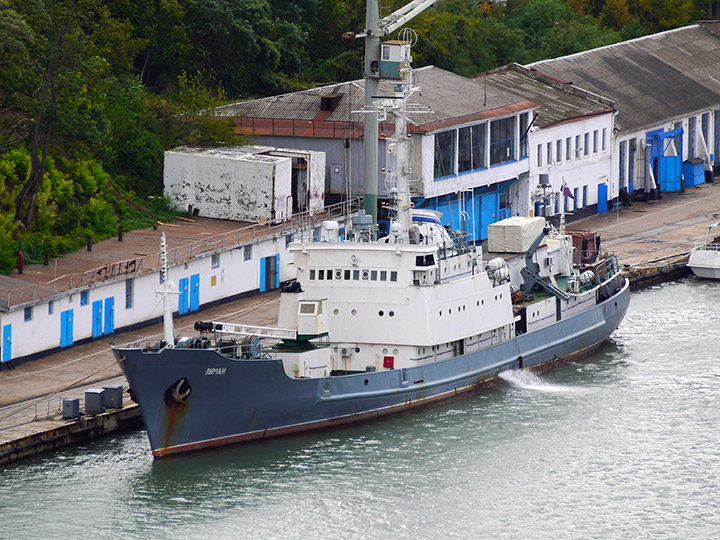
(336, 311)
(385, 351)
(381, 313)
(366, 274)
(366, 382)
(395, 352)
(392, 313)
(354, 312)
(338, 274)
(357, 349)
(478, 303)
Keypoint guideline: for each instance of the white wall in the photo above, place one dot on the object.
(583, 171)
(223, 185)
(233, 276)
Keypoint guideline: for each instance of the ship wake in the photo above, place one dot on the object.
(529, 380)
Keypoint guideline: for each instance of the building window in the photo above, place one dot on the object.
(524, 135)
(692, 122)
(595, 141)
(586, 144)
(539, 154)
(129, 288)
(445, 154)
(558, 150)
(28, 314)
(631, 160)
(621, 166)
(576, 193)
(215, 261)
(472, 148)
(248, 252)
(51, 306)
(568, 149)
(577, 146)
(603, 138)
(704, 120)
(502, 140)
(312, 275)
(84, 298)
(549, 153)
(393, 275)
(584, 199)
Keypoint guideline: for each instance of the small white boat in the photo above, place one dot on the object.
(704, 258)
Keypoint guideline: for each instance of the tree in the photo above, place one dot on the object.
(66, 60)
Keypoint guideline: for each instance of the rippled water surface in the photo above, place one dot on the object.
(623, 444)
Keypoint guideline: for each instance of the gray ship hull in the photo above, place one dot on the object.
(228, 401)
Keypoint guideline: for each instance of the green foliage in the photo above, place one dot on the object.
(92, 93)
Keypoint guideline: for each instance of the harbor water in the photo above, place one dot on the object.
(622, 444)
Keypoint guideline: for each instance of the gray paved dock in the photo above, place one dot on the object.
(654, 238)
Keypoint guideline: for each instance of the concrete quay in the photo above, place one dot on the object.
(652, 240)
(31, 395)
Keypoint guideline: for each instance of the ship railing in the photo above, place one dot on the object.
(707, 246)
(259, 331)
(147, 263)
(607, 269)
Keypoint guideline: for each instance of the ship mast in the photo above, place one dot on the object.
(375, 29)
(167, 290)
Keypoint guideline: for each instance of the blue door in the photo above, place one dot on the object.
(716, 139)
(488, 212)
(109, 315)
(195, 292)
(669, 173)
(602, 198)
(7, 343)
(277, 271)
(183, 298)
(97, 319)
(269, 275)
(66, 328)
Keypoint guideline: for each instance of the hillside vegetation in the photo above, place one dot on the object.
(92, 93)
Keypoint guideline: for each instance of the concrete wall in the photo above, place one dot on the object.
(224, 185)
(704, 148)
(341, 163)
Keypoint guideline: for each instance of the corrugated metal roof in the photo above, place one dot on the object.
(447, 95)
(555, 104)
(651, 79)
